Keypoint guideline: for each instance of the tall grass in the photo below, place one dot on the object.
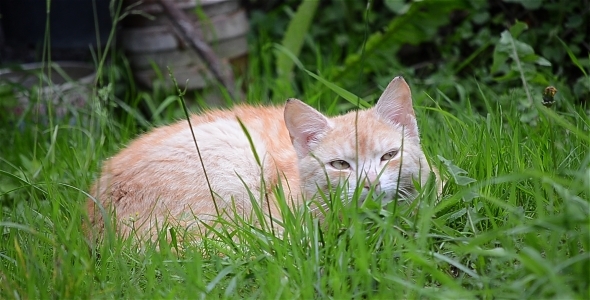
(512, 223)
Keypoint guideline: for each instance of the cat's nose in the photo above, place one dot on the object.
(372, 181)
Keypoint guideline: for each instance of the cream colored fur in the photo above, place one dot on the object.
(159, 176)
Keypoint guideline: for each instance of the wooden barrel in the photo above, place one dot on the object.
(152, 44)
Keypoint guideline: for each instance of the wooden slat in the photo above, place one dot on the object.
(226, 49)
(161, 38)
(157, 16)
(210, 7)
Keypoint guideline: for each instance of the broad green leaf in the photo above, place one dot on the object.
(456, 172)
(399, 7)
(518, 28)
(499, 59)
(543, 62)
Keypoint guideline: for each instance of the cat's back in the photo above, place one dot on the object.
(217, 129)
(257, 119)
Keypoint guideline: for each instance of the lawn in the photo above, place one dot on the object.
(513, 221)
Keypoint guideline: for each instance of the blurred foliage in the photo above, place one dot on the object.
(457, 47)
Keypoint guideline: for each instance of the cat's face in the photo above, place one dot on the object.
(378, 147)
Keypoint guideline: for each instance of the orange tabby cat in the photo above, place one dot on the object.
(159, 177)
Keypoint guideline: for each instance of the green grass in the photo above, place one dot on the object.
(513, 221)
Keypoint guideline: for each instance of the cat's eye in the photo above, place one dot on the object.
(389, 155)
(340, 164)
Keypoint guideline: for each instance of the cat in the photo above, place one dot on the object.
(159, 177)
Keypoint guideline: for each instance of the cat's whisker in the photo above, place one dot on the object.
(324, 206)
(406, 194)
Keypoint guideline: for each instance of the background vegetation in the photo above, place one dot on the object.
(440, 44)
(513, 221)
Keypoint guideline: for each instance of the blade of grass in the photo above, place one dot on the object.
(294, 37)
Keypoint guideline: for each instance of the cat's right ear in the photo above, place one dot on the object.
(305, 124)
(395, 106)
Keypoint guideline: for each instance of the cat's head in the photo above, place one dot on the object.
(362, 148)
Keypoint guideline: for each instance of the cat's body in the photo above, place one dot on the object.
(159, 177)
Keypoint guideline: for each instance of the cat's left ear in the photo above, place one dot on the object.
(395, 106)
(306, 126)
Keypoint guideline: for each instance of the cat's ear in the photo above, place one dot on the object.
(395, 106)
(305, 124)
